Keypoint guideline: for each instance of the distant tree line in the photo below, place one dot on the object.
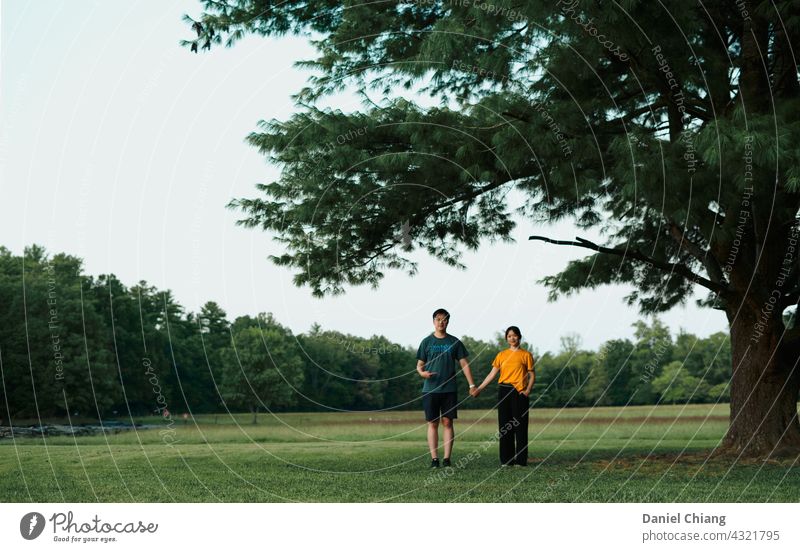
(89, 346)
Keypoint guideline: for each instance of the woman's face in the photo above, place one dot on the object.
(513, 339)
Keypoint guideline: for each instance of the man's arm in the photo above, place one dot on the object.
(421, 370)
(467, 372)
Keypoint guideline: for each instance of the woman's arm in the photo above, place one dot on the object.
(488, 379)
(531, 377)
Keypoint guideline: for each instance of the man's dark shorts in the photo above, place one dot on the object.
(438, 405)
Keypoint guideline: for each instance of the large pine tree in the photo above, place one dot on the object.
(673, 127)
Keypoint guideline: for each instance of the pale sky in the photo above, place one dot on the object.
(121, 147)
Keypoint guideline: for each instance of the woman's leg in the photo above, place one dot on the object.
(505, 416)
(521, 413)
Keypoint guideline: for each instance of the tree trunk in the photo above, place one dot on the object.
(765, 384)
(254, 410)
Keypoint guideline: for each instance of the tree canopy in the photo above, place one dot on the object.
(671, 127)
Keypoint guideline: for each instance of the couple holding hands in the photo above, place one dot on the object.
(437, 357)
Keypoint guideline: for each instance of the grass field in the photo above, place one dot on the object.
(634, 454)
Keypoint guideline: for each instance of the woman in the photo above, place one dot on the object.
(515, 366)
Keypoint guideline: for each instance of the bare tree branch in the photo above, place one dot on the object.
(672, 268)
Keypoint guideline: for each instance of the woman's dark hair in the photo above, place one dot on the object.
(515, 330)
(437, 312)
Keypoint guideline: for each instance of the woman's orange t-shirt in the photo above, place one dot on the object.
(513, 366)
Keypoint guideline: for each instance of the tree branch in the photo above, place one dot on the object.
(381, 250)
(709, 261)
(672, 268)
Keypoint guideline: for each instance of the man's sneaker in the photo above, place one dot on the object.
(446, 463)
(435, 463)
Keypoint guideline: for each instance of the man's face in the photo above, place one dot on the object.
(440, 322)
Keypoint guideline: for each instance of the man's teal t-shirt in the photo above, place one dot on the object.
(441, 356)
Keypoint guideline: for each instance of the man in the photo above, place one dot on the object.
(436, 363)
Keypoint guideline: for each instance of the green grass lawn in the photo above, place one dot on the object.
(584, 455)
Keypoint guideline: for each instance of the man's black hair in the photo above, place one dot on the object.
(437, 312)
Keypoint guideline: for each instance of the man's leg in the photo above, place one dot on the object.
(449, 436)
(433, 438)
